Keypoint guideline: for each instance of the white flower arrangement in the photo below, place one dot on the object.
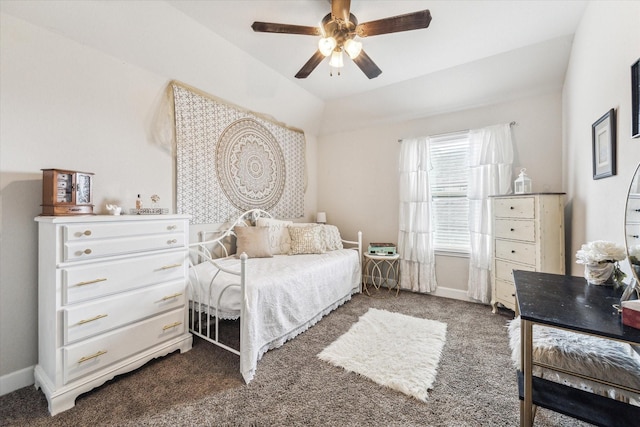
(601, 260)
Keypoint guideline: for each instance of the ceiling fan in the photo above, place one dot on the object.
(339, 30)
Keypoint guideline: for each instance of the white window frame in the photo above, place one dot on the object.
(449, 154)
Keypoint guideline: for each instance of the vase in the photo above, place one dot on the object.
(599, 274)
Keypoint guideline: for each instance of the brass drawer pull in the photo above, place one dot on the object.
(172, 241)
(176, 295)
(99, 316)
(167, 267)
(87, 251)
(172, 227)
(89, 282)
(93, 356)
(87, 233)
(173, 325)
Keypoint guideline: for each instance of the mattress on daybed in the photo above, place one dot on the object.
(604, 359)
(285, 294)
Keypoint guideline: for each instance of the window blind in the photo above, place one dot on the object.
(448, 178)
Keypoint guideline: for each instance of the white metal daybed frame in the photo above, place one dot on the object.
(203, 306)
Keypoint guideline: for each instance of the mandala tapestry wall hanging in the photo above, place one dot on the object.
(230, 160)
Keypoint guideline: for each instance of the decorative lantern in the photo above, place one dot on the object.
(522, 183)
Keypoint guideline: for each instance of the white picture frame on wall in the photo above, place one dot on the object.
(603, 136)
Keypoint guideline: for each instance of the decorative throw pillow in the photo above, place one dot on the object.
(254, 241)
(306, 240)
(279, 239)
(331, 238)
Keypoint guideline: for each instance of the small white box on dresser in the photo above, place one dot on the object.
(111, 297)
(528, 234)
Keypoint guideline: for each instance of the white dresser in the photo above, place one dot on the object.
(111, 297)
(528, 234)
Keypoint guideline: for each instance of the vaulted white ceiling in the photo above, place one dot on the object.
(461, 32)
(474, 52)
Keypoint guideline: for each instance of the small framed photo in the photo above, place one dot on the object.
(635, 100)
(603, 135)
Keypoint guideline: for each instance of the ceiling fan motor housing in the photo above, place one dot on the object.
(339, 29)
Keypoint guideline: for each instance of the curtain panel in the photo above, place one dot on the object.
(489, 175)
(415, 237)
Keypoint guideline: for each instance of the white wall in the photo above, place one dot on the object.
(68, 105)
(358, 180)
(598, 78)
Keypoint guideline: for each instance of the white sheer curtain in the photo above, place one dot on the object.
(489, 174)
(415, 238)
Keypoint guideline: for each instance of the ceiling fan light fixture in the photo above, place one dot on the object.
(353, 48)
(336, 60)
(326, 45)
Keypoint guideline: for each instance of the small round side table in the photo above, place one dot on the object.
(381, 270)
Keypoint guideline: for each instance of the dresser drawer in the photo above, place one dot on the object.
(504, 269)
(93, 318)
(516, 229)
(516, 207)
(633, 209)
(90, 231)
(505, 291)
(97, 353)
(520, 252)
(95, 280)
(96, 248)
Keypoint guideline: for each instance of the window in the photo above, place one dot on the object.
(448, 178)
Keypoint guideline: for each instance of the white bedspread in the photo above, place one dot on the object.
(285, 295)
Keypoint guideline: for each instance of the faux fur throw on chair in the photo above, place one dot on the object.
(600, 358)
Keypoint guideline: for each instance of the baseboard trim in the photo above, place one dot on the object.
(452, 293)
(16, 380)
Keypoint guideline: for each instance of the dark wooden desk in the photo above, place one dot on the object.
(569, 303)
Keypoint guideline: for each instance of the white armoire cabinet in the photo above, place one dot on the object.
(111, 297)
(528, 234)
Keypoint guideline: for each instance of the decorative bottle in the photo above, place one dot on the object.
(138, 202)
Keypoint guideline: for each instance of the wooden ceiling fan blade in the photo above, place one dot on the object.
(341, 9)
(366, 64)
(311, 65)
(395, 24)
(272, 27)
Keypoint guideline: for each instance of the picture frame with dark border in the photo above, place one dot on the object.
(635, 100)
(603, 141)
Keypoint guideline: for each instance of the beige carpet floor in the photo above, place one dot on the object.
(475, 384)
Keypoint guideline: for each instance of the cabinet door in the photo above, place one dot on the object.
(83, 189)
(63, 182)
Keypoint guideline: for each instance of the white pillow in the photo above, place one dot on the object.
(331, 238)
(306, 240)
(279, 240)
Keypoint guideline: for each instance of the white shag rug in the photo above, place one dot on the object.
(392, 349)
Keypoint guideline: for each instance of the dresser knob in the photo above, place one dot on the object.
(513, 251)
(87, 251)
(171, 227)
(512, 229)
(172, 241)
(511, 207)
(87, 233)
